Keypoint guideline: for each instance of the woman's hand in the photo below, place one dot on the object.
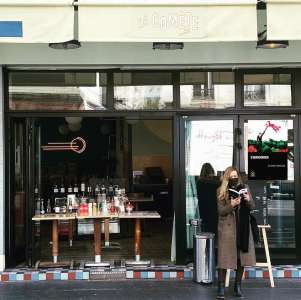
(247, 196)
(235, 201)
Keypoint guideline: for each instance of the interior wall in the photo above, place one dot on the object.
(152, 145)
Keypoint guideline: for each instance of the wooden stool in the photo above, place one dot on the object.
(262, 228)
(267, 253)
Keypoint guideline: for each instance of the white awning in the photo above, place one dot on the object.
(36, 21)
(167, 20)
(283, 19)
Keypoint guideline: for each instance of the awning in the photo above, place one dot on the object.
(167, 20)
(36, 21)
(283, 19)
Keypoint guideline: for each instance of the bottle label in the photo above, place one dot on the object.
(70, 190)
(56, 190)
(75, 190)
(62, 190)
(36, 190)
(82, 187)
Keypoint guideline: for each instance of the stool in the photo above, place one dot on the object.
(259, 264)
(267, 253)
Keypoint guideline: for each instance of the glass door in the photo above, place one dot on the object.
(23, 192)
(16, 204)
(268, 161)
(210, 148)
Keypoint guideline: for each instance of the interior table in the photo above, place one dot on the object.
(137, 216)
(55, 237)
(97, 236)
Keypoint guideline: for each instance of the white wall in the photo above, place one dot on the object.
(142, 53)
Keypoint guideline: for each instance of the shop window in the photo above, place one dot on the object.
(141, 90)
(207, 89)
(267, 90)
(57, 91)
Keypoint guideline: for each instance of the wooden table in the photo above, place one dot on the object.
(137, 216)
(97, 234)
(55, 237)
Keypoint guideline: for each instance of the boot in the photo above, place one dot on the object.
(237, 283)
(221, 284)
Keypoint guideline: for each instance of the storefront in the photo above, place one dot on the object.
(139, 108)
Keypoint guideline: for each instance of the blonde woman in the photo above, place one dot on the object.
(235, 239)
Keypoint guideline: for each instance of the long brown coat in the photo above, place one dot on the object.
(226, 243)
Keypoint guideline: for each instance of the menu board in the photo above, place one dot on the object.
(267, 149)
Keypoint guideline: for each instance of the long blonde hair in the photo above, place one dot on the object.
(223, 189)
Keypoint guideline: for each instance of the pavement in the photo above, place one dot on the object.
(286, 289)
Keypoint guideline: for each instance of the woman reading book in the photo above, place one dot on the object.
(235, 239)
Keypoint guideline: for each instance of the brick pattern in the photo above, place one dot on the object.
(159, 273)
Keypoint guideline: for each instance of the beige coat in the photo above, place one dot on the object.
(226, 241)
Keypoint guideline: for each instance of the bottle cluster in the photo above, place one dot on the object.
(84, 200)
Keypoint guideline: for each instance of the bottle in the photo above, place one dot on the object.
(56, 207)
(62, 191)
(48, 209)
(75, 190)
(111, 191)
(70, 190)
(96, 190)
(37, 201)
(82, 189)
(42, 209)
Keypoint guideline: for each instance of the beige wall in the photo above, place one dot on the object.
(152, 145)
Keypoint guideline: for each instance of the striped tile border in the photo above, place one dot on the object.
(157, 272)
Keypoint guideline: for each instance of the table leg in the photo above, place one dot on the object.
(107, 232)
(137, 243)
(70, 235)
(55, 240)
(137, 247)
(97, 240)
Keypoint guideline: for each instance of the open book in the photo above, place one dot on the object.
(234, 193)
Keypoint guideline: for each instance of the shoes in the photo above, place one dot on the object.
(220, 290)
(237, 290)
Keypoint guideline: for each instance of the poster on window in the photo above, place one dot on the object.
(267, 149)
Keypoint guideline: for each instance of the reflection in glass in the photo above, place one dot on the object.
(207, 89)
(57, 91)
(267, 90)
(143, 90)
(143, 97)
(274, 199)
(206, 142)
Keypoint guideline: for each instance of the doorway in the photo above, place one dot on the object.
(214, 143)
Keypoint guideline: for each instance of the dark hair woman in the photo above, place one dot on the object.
(206, 186)
(235, 239)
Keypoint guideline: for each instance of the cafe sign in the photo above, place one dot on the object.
(167, 21)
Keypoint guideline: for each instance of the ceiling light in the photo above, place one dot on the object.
(69, 45)
(168, 46)
(263, 43)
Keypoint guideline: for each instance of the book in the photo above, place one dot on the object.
(237, 193)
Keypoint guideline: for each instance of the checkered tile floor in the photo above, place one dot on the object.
(157, 272)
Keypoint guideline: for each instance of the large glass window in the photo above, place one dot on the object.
(208, 151)
(57, 91)
(143, 90)
(267, 90)
(269, 163)
(207, 89)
